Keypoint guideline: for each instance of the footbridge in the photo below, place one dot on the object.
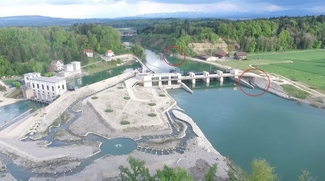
(144, 67)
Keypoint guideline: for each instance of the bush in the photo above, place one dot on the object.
(152, 104)
(152, 115)
(95, 97)
(17, 84)
(120, 87)
(109, 110)
(124, 122)
(162, 95)
(126, 98)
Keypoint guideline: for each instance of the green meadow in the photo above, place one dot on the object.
(308, 66)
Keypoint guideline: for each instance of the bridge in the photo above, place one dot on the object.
(159, 79)
(149, 78)
(144, 67)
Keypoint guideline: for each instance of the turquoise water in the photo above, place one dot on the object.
(118, 146)
(96, 77)
(9, 112)
(289, 136)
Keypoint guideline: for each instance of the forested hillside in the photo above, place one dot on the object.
(28, 49)
(274, 34)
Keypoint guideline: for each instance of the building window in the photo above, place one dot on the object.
(47, 87)
(58, 87)
(33, 85)
(42, 86)
(53, 88)
(62, 86)
(37, 86)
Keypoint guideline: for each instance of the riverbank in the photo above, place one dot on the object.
(8, 101)
(26, 152)
(315, 98)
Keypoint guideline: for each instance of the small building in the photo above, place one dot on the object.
(29, 76)
(109, 53)
(68, 68)
(56, 66)
(44, 89)
(76, 65)
(206, 57)
(221, 54)
(240, 56)
(88, 52)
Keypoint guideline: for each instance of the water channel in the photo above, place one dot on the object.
(286, 134)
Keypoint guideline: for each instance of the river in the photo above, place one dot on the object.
(288, 135)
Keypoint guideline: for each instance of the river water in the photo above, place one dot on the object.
(288, 135)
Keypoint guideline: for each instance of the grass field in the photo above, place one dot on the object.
(308, 66)
(294, 92)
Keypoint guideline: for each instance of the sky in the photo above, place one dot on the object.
(126, 8)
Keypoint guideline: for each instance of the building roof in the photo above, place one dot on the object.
(204, 56)
(220, 53)
(54, 62)
(87, 51)
(33, 73)
(109, 51)
(49, 79)
(241, 54)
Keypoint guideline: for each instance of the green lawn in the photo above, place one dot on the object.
(99, 67)
(244, 64)
(308, 65)
(294, 92)
(9, 81)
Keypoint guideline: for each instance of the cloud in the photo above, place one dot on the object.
(122, 8)
(316, 9)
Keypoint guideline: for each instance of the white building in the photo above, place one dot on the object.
(44, 89)
(109, 53)
(76, 66)
(68, 68)
(29, 76)
(88, 52)
(56, 66)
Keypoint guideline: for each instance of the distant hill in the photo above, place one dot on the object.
(47, 21)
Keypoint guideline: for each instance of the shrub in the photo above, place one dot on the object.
(162, 95)
(109, 110)
(95, 97)
(124, 122)
(120, 87)
(126, 98)
(152, 115)
(152, 104)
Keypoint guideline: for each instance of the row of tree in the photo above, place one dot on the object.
(274, 34)
(261, 171)
(28, 49)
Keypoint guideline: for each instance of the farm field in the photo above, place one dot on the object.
(308, 66)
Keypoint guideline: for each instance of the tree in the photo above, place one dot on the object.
(262, 171)
(211, 173)
(17, 84)
(173, 174)
(138, 171)
(138, 51)
(305, 176)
